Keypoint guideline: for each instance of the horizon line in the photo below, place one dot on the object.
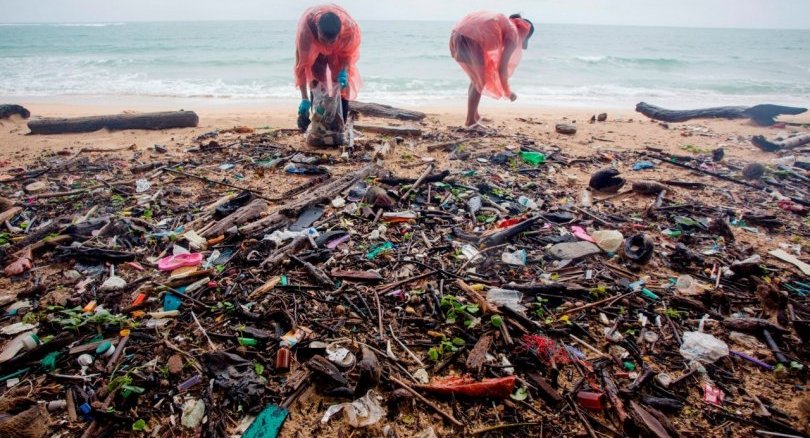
(67, 23)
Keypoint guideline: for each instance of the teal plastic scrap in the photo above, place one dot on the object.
(268, 423)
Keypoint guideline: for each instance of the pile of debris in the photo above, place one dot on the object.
(242, 285)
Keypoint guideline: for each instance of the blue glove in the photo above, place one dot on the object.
(343, 78)
(303, 107)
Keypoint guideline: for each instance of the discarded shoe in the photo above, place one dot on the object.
(639, 248)
(606, 181)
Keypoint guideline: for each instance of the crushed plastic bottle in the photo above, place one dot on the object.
(527, 202)
(142, 185)
(517, 258)
(688, 286)
(506, 297)
(470, 252)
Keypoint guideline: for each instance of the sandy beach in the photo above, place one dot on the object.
(624, 129)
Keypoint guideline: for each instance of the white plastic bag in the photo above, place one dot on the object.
(327, 124)
(362, 412)
(702, 347)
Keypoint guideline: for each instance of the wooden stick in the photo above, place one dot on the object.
(501, 426)
(390, 286)
(594, 304)
(208, 180)
(405, 386)
(419, 180)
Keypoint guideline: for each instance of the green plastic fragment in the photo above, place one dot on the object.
(49, 361)
(267, 424)
(533, 158)
(139, 425)
(248, 342)
(629, 366)
(649, 294)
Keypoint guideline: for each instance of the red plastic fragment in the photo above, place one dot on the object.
(500, 387)
(591, 400)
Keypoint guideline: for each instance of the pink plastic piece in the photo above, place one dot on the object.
(173, 262)
(477, 44)
(713, 395)
(581, 234)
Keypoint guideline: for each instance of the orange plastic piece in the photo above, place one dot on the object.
(478, 43)
(344, 52)
(89, 307)
(216, 240)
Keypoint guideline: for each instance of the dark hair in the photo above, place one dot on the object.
(329, 25)
(531, 25)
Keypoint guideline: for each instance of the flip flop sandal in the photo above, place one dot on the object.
(173, 262)
(307, 218)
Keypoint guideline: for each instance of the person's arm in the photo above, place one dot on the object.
(503, 69)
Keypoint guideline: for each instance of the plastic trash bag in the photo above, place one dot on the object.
(702, 347)
(362, 412)
(327, 127)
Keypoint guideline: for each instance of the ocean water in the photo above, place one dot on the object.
(407, 63)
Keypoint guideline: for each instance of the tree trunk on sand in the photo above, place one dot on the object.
(161, 120)
(762, 115)
(389, 130)
(385, 111)
(774, 145)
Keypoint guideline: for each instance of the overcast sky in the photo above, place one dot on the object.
(697, 13)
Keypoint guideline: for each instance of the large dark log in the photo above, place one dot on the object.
(774, 145)
(389, 130)
(378, 110)
(161, 120)
(7, 111)
(761, 114)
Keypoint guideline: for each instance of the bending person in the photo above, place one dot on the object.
(327, 48)
(488, 46)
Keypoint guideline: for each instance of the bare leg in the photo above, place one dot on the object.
(473, 99)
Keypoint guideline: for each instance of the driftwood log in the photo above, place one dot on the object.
(762, 115)
(7, 111)
(160, 120)
(239, 217)
(778, 144)
(385, 111)
(389, 130)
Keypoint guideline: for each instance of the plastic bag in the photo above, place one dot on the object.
(702, 347)
(327, 127)
(362, 412)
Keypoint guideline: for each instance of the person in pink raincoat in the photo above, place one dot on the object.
(488, 46)
(327, 48)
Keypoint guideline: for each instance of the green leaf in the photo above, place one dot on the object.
(458, 341)
(434, 354)
(258, 368)
(139, 425)
(472, 308)
(496, 321)
(519, 395)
